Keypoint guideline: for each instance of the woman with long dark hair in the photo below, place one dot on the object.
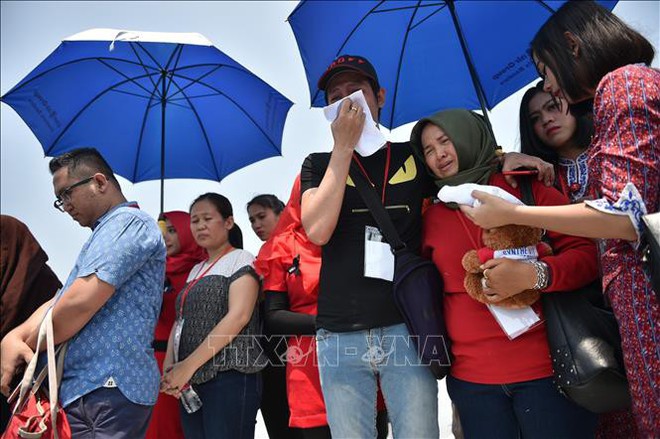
(213, 357)
(550, 131)
(589, 57)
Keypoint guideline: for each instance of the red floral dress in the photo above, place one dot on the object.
(624, 165)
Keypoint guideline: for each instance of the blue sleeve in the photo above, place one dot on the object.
(120, 248)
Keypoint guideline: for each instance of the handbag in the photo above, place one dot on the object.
(585, 344)
(417, 287)
(37, 413)
(651, 249)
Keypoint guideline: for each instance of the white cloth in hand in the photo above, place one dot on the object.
(371, 139)
(462, 194)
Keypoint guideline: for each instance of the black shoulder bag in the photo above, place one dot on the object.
(417, 287)
(585, 345)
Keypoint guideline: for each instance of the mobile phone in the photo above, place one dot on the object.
(521, 172)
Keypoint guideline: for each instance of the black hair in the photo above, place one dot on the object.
(83, 162)
(530, 144)
(267, 201)
(236, 237)
(605, 42)
(220, 202)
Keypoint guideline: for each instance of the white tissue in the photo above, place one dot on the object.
(371, 139)
(462, 194)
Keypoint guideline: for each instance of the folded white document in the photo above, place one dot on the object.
(371, 139)
(514, 322)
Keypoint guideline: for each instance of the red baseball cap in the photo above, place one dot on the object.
(349, 62)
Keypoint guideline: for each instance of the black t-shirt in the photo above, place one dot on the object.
(348, 301)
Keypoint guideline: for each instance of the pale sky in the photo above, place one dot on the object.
(255, 34)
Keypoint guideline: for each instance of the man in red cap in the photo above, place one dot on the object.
(361, 335)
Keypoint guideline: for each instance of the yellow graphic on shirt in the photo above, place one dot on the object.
(349, 181)
(405, 173)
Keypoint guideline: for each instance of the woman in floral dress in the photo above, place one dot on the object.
(584, 52)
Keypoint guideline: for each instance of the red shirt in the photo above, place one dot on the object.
(276, 257)
(302, 375)
(482, 352)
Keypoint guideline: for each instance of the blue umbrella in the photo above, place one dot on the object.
(156, 105)
(429, 54)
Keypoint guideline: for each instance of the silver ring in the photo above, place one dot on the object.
(354, 108)
(484, 274)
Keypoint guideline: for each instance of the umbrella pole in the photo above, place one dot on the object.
(473, 72)
(163, 101)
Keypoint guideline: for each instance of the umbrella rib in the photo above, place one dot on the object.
(348, 37)
(206, 95)
(144, 124)
(133, 94)
(217, 66)
(402, 8)
(398, 70)
(91, 58)
(125, 75)
(179, 51)
(155, 61)
(429, 16)
(194, 66)
(237, 106)
(169, 102)
(144, 66)
(546, 6)
(82, 110)
(201, 126)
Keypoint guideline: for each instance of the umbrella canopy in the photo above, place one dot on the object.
(156, 105)
(429, 54)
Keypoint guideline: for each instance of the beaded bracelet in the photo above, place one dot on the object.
(542, 277)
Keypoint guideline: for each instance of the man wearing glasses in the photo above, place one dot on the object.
(107, 309)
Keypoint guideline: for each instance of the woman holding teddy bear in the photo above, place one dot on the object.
(502, 386)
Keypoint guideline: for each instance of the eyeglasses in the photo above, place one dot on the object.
(65, 194)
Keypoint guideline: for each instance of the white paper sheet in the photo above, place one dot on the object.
(514, 322)
(378, 256)
(371, 139)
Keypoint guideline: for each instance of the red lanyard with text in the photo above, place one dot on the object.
(197, 278)
(385, 172)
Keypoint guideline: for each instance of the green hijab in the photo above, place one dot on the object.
(475, 146)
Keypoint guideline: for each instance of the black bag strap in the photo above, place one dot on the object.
(526, 191)
(375, 205)
(527, 196)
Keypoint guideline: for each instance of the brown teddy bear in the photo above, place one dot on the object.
(516, 242)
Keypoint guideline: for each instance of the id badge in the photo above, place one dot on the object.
(178, 327)
(378, 256)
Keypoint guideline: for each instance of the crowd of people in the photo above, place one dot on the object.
(176, 331)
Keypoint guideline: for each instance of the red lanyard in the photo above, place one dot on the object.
(386, 172)
(197, 278)
(467, 231)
